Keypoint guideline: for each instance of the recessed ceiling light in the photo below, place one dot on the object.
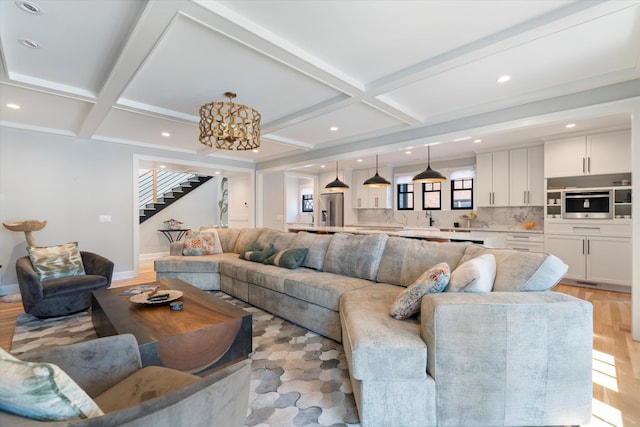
(477, 141)
(13, 106)
(407, 152)
(165, 134)
(29, 7)
(333, 128)
(464, 138)
(570, 125)
(321, 166)
(307, 166)
(218, 172)
(255, 150)
(163, 166)
(29, 43)
(359, 160)
(504, 78)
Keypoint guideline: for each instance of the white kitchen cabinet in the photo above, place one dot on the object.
(492, 176)
(593, 259)
(369, 197)
(526, 179)
(604, 153)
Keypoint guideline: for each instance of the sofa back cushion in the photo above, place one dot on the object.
(317, 245)
(246, 236)
(227, 236)
(355, 256)
(279, 239)
(518, 271)
(404, 259)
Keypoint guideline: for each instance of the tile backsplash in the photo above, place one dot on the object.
(508, 217)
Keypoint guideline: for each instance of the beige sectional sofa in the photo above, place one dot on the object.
(519, 355)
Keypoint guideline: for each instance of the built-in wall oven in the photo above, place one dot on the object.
(588, 204)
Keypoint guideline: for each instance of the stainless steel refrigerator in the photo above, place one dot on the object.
(332, 209)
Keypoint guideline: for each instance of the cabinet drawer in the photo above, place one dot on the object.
(525, 246)
(524, 237)
(588, 228)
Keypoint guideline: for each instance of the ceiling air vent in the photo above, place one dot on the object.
(29, 7)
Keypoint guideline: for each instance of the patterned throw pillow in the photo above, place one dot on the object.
(475, 275)
(431, 281)
(52, 262)
(42, 391)
(201, 243)
(288, 258)
(261, 255)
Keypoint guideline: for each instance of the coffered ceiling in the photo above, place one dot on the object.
(386, 74)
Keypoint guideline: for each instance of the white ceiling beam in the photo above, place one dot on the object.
(153, 22)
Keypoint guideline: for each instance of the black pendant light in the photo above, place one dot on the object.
(376, 180)
(428, 175)
(336, 186)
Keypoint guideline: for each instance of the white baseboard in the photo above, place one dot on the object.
(9, 289)
(146, 257)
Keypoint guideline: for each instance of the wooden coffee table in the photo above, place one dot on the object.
(207, 334)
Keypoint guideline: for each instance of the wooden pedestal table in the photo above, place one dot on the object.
(207, 333)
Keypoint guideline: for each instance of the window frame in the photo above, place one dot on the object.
(306, 199)
(425, 191)
(406, 193)
(454, 190)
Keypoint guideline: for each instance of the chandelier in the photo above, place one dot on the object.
(229, 126)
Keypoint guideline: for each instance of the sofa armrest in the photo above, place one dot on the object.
(175, 248)
(95, 365)
(97, 265)
(528, 353)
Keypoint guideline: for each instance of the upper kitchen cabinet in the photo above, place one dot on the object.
(526, 180)
(603, 153)
(370, 197)
(492, 175)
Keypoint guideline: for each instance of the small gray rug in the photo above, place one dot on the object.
(299, 378)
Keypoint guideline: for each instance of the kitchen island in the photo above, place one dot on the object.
(485, 238)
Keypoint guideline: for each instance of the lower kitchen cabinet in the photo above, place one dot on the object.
(593, 259)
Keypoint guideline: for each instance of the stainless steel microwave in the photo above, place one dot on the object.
(588, 204)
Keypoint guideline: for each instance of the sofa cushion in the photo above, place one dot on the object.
(379, 347)
(317, 245)
(432, 281)
(404, 260)
(42, 391)
(72, 284)
(518, 271)
(228, 238)
(288, 258)
(183, 264)
(201, 243)
(52, 262)
(144, 384)
(320, 288)
(474, 275)
(279, 239)
(355, 256)
(246, 236)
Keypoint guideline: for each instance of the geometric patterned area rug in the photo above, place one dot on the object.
(299, 378)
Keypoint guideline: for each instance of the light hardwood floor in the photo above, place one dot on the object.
(616, 357)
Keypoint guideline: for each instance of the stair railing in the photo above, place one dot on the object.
(154, 183)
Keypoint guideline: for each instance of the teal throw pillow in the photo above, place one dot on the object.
(251, 247)
(260, 256)
(52, 262)
(288, 258)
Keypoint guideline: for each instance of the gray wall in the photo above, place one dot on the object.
(70, 182)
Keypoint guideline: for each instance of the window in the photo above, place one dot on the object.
(307, 203)
(462, 193)
(431, 196)
(405, 197)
